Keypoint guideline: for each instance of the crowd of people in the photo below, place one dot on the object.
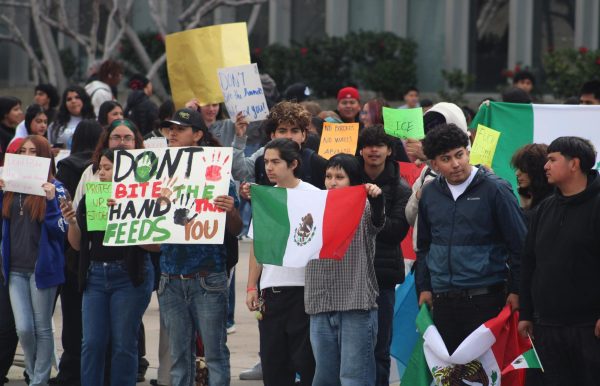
(479, 244)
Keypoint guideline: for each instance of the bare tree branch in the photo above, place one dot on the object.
(155, 14)
(14, 4)
(17, 38)
(112, 42)
(189, 11)
(210, 6)
(253, 17)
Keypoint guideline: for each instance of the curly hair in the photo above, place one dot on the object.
(530, 159)
(109, 68)
(287, 112)
(443, 138)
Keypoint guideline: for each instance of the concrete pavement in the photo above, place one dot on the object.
(243, 344)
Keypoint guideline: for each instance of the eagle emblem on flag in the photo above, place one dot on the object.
(305, 231)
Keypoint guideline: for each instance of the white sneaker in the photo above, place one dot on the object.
(253, 374)
(231, 330)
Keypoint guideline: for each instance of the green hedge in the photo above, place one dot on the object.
(377, 61)
(567, 70)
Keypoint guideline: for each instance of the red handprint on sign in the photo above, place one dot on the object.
(213, 172)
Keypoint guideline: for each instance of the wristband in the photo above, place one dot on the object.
(250, 289)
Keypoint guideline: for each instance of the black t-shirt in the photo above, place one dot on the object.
(25, 234)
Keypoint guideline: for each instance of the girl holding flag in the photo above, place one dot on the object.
(340, 295)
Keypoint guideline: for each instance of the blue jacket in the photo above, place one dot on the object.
(50, 264)
(475, 241)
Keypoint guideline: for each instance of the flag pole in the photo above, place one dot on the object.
(535, 352)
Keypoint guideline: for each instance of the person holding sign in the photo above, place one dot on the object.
(116, 292)
(470, 237)
(192, 292)
(33, 233)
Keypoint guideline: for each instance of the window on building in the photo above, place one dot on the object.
(366, 15)
(308, 19)
(553, 27)
(488, 53)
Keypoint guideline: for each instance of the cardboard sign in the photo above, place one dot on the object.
(404, 123)
(167, 196)
(338, 138)
(25, 173)
(193, 57)
(243, 91)
(484, 146)
(96, 208)
(155, 143)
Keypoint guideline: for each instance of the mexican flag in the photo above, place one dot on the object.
(477, 360)
(293, 226)
(528, 360)
(521, 124)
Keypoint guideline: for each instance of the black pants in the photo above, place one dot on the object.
(570, 355)
(457, 317)
(8, 333)
(285, 338)
(385, 320)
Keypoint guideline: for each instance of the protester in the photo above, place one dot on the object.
(372, 114)
(426, 104)
(33, 234)
(47, 96)
(100, 90)
(560, 297)
(516, 95)
(297, 92)
(340, 296)
(121, 132)
(285, 120)
(524, 80)
(376, 148)
(348, 104)
(117, 284)
(75, 105)
(161, 128)
(411, 98)
(192, 292)
(110, 111)
(284, 326)
(470, 237)
(590, 93)
(140, 109)
(11, 115)
(528, 162)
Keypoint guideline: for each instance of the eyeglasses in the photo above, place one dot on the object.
(119, 139)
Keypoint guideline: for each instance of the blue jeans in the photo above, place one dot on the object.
(188, 306)
(385, 320)
(112, 311)
(343, 344)
(32, 308)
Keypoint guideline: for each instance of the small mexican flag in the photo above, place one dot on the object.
(477, 360)
(293, 226)
(527, 360)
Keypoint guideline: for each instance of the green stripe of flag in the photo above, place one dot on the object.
(271, 223)
(531, 359)
(515, 123)
(423, 319)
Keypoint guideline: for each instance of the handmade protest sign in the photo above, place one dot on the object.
(96, 208)
(338, 138)
(243, 91)
(404, 123)
(484, 146)
(25, 173)
(193, 57)
(167, 196)
(155, 143)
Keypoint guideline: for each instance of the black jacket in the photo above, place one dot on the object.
(561, 262)
(71, 168)
(389, 262)
(142, 111)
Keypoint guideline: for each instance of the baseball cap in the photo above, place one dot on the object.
(186, 117)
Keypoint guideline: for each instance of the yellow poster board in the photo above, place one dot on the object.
(484, 146)
(194, 56)
(338, 138)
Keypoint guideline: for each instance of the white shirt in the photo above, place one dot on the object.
(276, 276)
(459, 189)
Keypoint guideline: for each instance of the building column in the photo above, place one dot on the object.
(337, 14)
(280, 22)
(396, 17)
(520, 33)
(587, 20)
(456, 52)
(224, 14)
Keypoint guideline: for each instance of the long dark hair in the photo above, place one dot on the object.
(87, 110)
(105, 108)
(86, 136)
(32, 111)
(289, 151)
(104, 138)
(531, 159)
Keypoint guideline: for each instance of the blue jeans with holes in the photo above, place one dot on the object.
(343, 344)
(195, 305)
(112, 311)
(32, 308)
